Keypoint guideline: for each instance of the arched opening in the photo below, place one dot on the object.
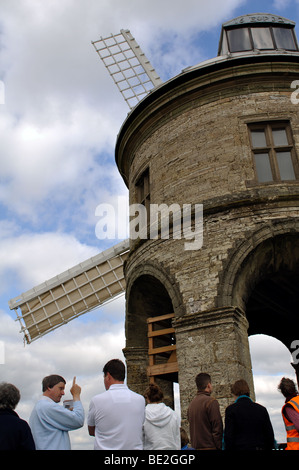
(270, 362)
(261, 277)
(148, 298)
(272, 307)
(266, 288)
(271, 299)
(149, 328)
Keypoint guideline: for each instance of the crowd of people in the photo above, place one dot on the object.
(120, 419)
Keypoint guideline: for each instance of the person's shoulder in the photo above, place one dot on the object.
(233, 408)
(230, 407)
(136, 395)
(100, 396)
(23, 424)
(44, 402)
(260, 407)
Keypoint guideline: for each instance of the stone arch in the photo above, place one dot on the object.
(233, 266)
(150, 292)
(261, 278)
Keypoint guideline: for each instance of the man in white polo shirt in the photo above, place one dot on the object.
(116, 416)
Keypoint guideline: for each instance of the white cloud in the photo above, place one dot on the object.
(62, 111)
(30, 259)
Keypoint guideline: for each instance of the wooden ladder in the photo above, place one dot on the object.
(162, 356)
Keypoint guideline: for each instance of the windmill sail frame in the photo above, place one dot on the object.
(130, 69)
(100, 279)
(76, 291)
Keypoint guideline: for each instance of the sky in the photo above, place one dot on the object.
(58, 128)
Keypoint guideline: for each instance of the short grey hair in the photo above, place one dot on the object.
(9, 396)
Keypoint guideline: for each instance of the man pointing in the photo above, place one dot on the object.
(49, 421)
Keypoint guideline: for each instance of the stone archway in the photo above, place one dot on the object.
(150, 293)
(264, 282)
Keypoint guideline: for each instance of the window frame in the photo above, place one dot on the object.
(251, 39)
(271, 149)
(143, 193)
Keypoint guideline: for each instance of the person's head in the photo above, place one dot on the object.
(9, 396)
(153, 394)
(287, 388)
(114, 372)
(240, 387)
(203, 382)
(53, 387)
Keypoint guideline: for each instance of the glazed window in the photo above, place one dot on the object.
(143, 196)
(273, 152)
(261, 38)
(284, 39)
(143, 190)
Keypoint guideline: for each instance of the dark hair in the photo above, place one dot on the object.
(202, 380)
(153, 393)
(287, 388)
(50, 381)
(116, 369)
(9, 396)
(240, 387)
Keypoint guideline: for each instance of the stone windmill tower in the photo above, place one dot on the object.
(223, 134)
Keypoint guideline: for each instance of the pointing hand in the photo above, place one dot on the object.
(75, 390)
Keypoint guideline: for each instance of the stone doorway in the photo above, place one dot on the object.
(147, 299)
(271, 290)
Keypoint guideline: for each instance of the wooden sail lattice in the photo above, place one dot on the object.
(72, 293)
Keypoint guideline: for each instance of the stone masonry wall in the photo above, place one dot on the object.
(198, 150)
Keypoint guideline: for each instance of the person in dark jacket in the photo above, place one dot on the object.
(15, 433)
(247, 424)
(205, 422)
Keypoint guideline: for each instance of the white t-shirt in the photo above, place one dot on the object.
(118, 416)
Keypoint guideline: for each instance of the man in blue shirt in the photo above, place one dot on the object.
(49, 421)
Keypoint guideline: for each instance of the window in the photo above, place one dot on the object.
(273, 152)
(239, 40)
(284, 39)
(261, 38)
(143, 197)
(143, 190)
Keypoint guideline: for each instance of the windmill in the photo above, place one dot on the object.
(100, 279)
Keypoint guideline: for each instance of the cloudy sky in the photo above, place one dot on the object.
(58, 129)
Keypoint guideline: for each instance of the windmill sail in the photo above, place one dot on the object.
(72, 293)
(99, 279)
(131, 71)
